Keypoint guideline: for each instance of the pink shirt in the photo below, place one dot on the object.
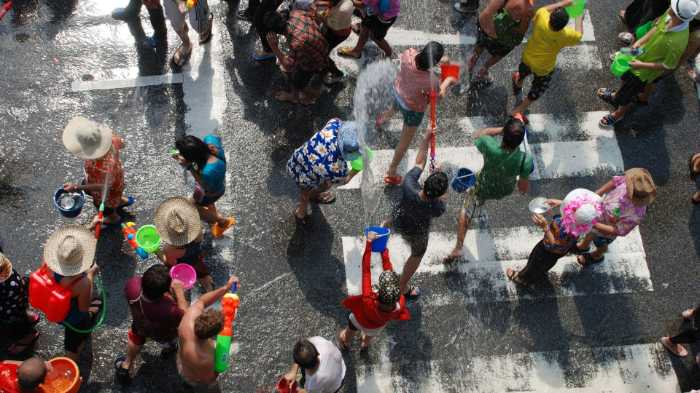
(619, 211)
(391, 12)
(413, 85)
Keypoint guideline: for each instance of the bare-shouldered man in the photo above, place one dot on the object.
(197, 332)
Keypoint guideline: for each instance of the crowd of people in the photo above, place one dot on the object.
(159, 305)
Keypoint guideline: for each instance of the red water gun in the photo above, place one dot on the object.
(5, 9)
(433, 126)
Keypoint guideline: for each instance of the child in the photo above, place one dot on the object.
(549, 36)
(206, 161)
(377, 17)
(412, 88)
(371, 311)
(17, 322)
(180, 229)
(99, 147)
(23, 377)
(580, 210)
(337, 23)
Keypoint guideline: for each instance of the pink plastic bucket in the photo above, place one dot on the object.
(185, 274)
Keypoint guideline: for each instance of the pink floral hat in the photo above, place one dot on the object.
(580, 211)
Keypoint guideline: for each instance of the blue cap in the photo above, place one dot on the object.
(347, 136)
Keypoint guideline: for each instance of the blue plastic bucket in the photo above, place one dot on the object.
(464, 180)
(379, 244)
(73, 211)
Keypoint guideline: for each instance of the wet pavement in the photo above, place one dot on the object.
(293, 279)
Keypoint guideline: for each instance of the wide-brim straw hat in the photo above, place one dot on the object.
(5, 268)
(87, 139)
(70, 250)
(641, 189)
(177, 221)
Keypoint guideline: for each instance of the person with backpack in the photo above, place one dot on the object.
(205, 159)
(501, 28)
(69, 255)
(505, 165)
(549, 36)
(157, 304)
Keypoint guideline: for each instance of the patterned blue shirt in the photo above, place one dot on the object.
(319, 159)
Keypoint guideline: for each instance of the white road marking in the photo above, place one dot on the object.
(139, 81)
(490, 253)
(639, 368)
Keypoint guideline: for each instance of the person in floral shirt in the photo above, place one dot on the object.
(625, 201)
(323, 161)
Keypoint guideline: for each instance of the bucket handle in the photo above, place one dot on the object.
(380, 235)
(465, 176)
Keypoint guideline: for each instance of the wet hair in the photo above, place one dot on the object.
(429, 56)
(193, 150)
(31, 374)
(156, 281)
(305, 354)
(275, 22)
(513, 134)
(435, 185)
(389, 291)
(208, 324)
(558, 19)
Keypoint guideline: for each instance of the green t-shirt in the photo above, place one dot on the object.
(665, 47)
(501, 169)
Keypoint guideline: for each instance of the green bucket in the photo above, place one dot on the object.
(621, 64)
(576, 8)
(147, 237)
(357, 164)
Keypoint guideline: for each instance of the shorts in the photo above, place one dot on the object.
(300, 78)
(602, 241)
(377, 27)
(139, 339)
(410, 118)
(72, 339)
(472, 203)
(418, 241)
(355, 326)
(492, 45)
(199, 16)
(540, 83)
(201, 198)
(631, 87)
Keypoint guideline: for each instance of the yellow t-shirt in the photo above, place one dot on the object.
(544, 45)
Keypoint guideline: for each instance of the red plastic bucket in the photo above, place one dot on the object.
(63, 378)
(283, 386)
(449, 70)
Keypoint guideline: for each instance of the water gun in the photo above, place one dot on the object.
(130, 237)
(5, 8)
(229, 306)
(433, 125)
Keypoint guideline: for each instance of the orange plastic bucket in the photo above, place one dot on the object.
(449, 70)
(63, 378)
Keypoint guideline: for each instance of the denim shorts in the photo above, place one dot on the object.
(410, 118)
(601, 241)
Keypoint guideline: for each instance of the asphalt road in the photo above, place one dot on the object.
(293, 279)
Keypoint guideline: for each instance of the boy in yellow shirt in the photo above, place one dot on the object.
(549, 35)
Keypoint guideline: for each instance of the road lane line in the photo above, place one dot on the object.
(140, 81)
(639, 368)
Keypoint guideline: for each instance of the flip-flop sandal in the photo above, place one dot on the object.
(608, 121)
(585, 260)
(514, 79)
(129, 201)
(412, 294)
(206, 37)
(393, 180)
(263, 57)
(179, 57)
(606, 94)
(515, 277)
(121, 373)
(330, 198)
(18, 348)
(217, 230)
(693, 174)
(347, 53)
(669, 347)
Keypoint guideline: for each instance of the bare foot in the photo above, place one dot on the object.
(454, 255)
(343, 340)
(687, 314)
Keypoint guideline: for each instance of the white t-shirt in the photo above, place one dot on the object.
(331, 368)
(340, 16)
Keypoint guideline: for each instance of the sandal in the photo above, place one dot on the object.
(324, 198)
(206, 36)
(263, 56)
(121, 373)
(606, 94)
(180, 57)
(23, 345)
(586, 260)
(515, 277)
(514, 80)
(393, 180)
(412, 294)
(691, 161)
(608, 120)
(217, 230)
(674, 348)
(347, 52)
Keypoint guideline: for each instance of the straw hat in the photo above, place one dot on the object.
(70, 250)
(641, 189)
(5, 268)
(177, 221)
(87, 139)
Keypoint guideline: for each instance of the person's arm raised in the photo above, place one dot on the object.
(559, 4)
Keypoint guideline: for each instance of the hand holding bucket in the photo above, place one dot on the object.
(381, 239)
(576, 8)
(621, 64)
(464, 180)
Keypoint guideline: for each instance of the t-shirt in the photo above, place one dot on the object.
(308, 49)
(214, 173)
(96, 173)
(340, 16)
(158, 319)
(665, 47)
(501, 168)
(13, 300)
(544, 45)
(619, 211)
(365, 307)
(412, 215)
(386, 9)
(413, 85)
(331, 368)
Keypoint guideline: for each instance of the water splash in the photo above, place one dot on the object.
(373, 95)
